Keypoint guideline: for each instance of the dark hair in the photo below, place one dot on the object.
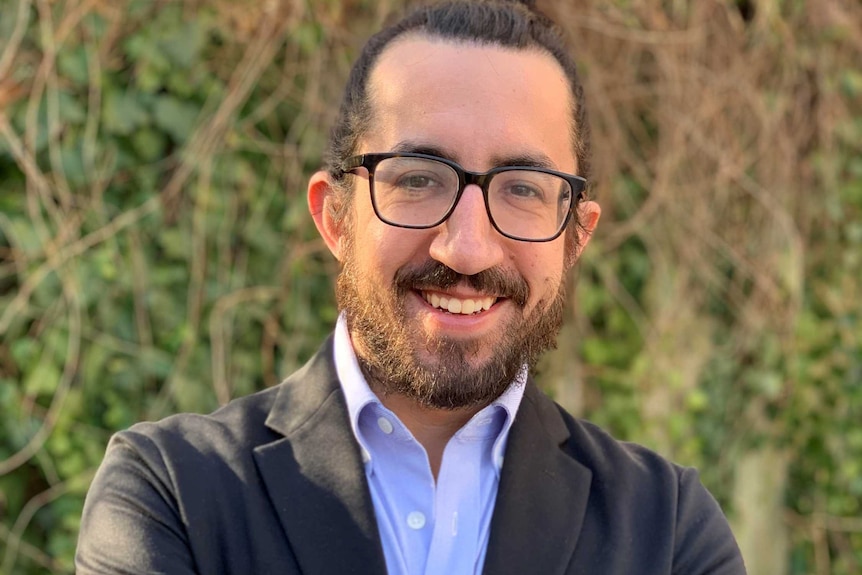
(505, 23)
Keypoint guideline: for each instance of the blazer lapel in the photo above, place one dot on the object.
(542, 496)
(315, 476)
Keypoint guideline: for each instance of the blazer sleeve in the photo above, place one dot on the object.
(704, 543)
(131, 522)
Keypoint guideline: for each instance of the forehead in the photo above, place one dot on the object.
(475, 102)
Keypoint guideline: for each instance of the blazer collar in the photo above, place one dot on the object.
(314, 475)
(542, 495)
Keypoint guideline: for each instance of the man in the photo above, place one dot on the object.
(415, 441)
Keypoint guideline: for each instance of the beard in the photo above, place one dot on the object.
(391, 345)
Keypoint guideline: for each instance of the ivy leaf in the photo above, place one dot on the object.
(72, 64)
(123, 113)
(175, 117)
(25, 237)
(71, 109)
(183, 44)
(73, 164)
(43, 379)
(150, 144)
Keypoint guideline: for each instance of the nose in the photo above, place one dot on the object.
(467, 242)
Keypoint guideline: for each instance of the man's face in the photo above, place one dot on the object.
(401, 289)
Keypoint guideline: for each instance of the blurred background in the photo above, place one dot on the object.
(156, 253)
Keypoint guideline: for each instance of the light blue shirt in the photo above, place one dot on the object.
(428, 528)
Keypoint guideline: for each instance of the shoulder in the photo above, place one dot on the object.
(629, 473)
(161, 496)
(241, 424)
(635, 486)
(610, 460)
(608, 457)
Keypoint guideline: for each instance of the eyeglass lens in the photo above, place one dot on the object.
(420, 192)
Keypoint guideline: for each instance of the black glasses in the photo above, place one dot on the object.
(420, 191)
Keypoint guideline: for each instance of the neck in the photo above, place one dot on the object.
(432, 428)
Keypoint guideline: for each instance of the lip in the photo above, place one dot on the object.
(474, 302)
(435, 319)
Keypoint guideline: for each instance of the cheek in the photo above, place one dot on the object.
(383, 249)
(542, 268)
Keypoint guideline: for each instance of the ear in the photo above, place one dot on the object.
(321, 195)
(588, 216)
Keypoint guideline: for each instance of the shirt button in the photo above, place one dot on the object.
(416, 520)
(385, 425)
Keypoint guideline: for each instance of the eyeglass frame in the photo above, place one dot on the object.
(465, 178)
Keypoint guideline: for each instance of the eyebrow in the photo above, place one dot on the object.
(411, 147)
(529, 159)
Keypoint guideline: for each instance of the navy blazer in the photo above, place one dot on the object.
(274, 483)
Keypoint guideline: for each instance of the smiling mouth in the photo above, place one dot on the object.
(455, 305)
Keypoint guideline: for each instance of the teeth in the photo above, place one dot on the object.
(459, 306)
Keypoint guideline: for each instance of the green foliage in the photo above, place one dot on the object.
(720, 309)
(142, 295)
(156, 254)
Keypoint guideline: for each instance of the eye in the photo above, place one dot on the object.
(521, 190)
(417, 181)
(524, 190)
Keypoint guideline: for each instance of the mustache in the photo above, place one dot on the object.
(433, 274)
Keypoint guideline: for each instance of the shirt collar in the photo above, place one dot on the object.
(358, 394)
